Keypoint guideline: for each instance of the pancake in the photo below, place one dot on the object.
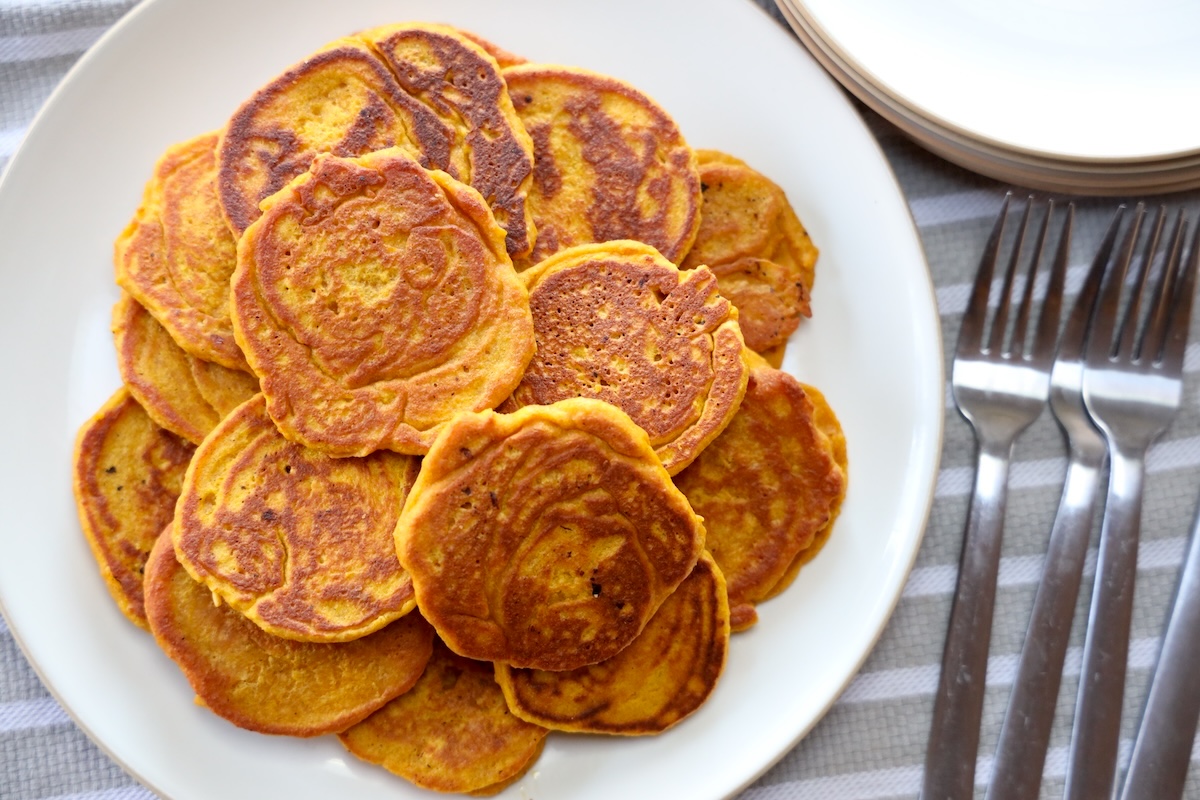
(545, 538)
(664, 675)
(271, 685)
(745, 215)
(620, 323)
(342, 100)
(460, 82)
(159, 373)
(127, 475)
(769, 300)
(609, 163)
(298, 542)
(765, 488)
(222, 388)
(503, 57)
(452, 732)
(177, 254)
(374, 299)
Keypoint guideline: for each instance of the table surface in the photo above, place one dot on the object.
(871, 745)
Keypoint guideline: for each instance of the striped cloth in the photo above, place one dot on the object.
(871, 744)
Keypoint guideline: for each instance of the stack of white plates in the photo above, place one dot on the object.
(1096, 97)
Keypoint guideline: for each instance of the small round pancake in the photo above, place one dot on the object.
(618, 322)
(545, 538)
(769, 300)
(765, 487)
(222, 388)
(177, 254)
(375, 300)
(664, 675)
(158, 373)
(342, 100)
(299, 542)
(609, 163)
(460, 82)
(271, 685)
(745, 215)
(452, 732)
(128, 473)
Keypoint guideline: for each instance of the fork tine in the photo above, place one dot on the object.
(1130, 331)
(1000, 323)
(1185, 290)
(1100, 337)
(1044, 339)
(970, 337)
(1149, 349)
(1025, 308)
(1074, 337)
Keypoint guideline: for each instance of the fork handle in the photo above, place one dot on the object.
(1025, 736)
(958, 705)
(1091, 766)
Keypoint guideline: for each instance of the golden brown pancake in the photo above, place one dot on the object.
(770, 301)
(299, 542)
(127, 476)
(452, 732)
(159, 373)
(342, 100)
(461, 83)
(745, 215)
(374, 299)
(503, 57)
(618, 322)
(222, 388)
(664, 675)
(545, 538)
(765, 487)
(609, 163)
(177, 254)
(271, 685)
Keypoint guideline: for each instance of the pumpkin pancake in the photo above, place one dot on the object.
(545, 538)
(665, 674)
(745, 215)
(765, 487)
(461, 83)
(342, 100)
(128, 473)
(609, 163)
(374, 299)
(452, 732)
(159, 373)
(177, 254)
(222, 388)
(769, 300)
(618, 322)
(271, 685)
(299, 542)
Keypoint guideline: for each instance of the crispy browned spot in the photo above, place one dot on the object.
(298, 542)
(375, 299)
(452, 732)
(609, 163)
(271, 685)
(128, 473)
(545, 538)
(765, 487)
(461, 83)
(177, 254)
(620, 323)
(665, 674)
(340, 100)
(769, 300)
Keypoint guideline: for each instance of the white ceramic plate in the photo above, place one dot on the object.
(1098, 80)
(174, 68)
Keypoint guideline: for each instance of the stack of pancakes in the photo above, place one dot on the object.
(449, 415)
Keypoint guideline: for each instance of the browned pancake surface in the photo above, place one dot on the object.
(545, 538)
(619, 323)
(298, 542)
(374, 299)
(452, 732)
(128, 473)
(770, 300)
(271, 685)
(222, 388)
(609, 163)
(664, 675)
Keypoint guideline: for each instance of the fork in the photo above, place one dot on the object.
(1000, 388)
(1133, 387)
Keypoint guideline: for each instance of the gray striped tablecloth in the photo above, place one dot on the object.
(871, 745)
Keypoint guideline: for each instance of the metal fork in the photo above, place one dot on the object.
(1133, 387)
(1000, 388)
